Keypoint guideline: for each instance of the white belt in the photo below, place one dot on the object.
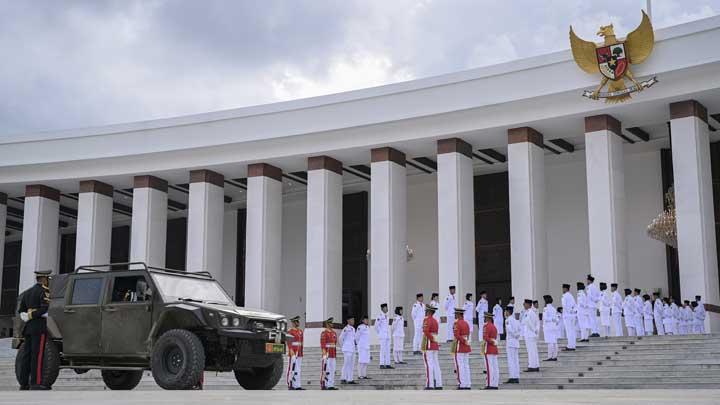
(296, 344)
(330, 346)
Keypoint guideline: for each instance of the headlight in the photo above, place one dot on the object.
(236, 322)
(224, 321)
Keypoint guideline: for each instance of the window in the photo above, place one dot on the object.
(130, 289)
(86, 291)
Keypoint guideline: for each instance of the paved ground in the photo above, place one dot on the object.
(695, 397)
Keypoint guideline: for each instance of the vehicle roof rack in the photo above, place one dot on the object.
(126, 266)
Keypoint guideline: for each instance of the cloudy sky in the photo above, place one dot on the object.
(68, 64)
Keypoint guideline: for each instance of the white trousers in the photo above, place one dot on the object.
(348, 366)
(462, 369)
(617, 323)
(398, 346)
(417, 338)
(570, 331)
(552, 349)
(327, 379)
(630, 326)
(682, 329)
(433, 377)
(699, 326)
(362, 369)
(533, 359)
(384, 351)
(449, 328)
(513, 360)
(294, 372)
(594, 324)
(648, 326)
(493, 371)
(659, 327)
(639, 326)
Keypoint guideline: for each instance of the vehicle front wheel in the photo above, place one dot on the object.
(178, 360)
(261, 378)
(121, 379)
(50, 364)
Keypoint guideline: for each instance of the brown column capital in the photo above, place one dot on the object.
(39, 190)
(525, 134)
(150, 182)
(324, 162)
(603, 122)
(3, 199)
(207, 176)
(688, 108)
(387, 154)
(264, 170)
(94, 186)
(454, 145)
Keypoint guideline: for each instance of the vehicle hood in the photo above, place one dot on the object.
(242, 311)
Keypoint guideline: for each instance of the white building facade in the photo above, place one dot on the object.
(502, 179)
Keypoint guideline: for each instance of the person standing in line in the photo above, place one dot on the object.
(511, 305)
(697, 322)
(430, 346)
(647, 315)
(417, 314)
(593, 294)
(382, 328)
(449, 307)
(490, 339)
(435, 303)
(328, 346)
(461, 350)
(668, 319)
(398, 334)
(295, 355)
(687, 315)
(658, 313)
(362, 340)
(536, 307)
(700, 314)
(498, 319)
(34, 304)
(583, 312)
(639, 323)
(605, 305)
(551, 325)
(616, 310)
(513, 331)
(469, 311)
(531, 327)
(481, 308)
(676, 316)
(629, 312)
(347, 343)
(561, 328)
(569, 317)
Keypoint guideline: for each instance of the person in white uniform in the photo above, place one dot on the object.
(698, 324)
(687, 316)
(498, 318)
(676, 316)
(639, 323)
(398, 336)
(657, 313)
(605, 307)
(629, 312)
(362, 340)
(561, 329)
(616, 309)
(594, 296)
(700, 314)
(449, 308)
(469, 311)
(668, 318)
(435, 303)
(511, 305)
(347, 344)
(569, 317)
(418, 314)
(481, 309)
(382, 329)
(551, 324)
(647, 315)
(531, 328)
(513, 332)
(583, 303)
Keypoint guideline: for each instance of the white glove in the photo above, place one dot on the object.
(45, 315)
(24, 316)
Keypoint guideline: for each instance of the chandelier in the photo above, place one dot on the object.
(663, 227)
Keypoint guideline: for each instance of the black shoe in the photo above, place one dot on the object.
(39, 388)
(343, 382)
(533, 370)
(547, 360)
(490, 388)
(24, 388)
(595, 335)
(438, 388)
(567, 349)
(484, 371)
(553, 359)
(351, 382)
(585, 340)
(428, 388)
(382, 367)
(389, 367)
(300, 389)
(331, 389)
(515, 381)
(509, 381)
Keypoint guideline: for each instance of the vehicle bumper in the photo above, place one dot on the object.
(269, 336)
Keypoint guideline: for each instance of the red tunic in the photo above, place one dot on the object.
(328, 343)
(461, 330)
(490, 337)
(430, 331)
(295, 345)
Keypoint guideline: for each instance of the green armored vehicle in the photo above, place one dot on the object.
(126, 318)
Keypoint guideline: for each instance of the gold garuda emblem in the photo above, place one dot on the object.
(612, 59)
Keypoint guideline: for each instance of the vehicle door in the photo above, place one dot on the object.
(80, 325)
(126, 315)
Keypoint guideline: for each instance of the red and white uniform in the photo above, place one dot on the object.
(433, 377)
(328, 344)
(490, 336)
(462, 334)
(295, 355)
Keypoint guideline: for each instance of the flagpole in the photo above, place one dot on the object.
(648, 8)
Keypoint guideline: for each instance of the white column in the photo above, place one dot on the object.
(456, 217)
(3, 228)
(324, 245)
(94, 223)
(604, 163)
(264, 237)
(40, 233)
(694, 205)
(526, 171)
(149, 221)
(206, 207)
(230, 245)
(388, 229)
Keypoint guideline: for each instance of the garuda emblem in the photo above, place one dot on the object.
(613, 58)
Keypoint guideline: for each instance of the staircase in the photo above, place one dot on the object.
(690, 362)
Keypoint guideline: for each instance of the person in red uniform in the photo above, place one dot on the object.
(490, 336)
(295, 353)
(461, 349)
(430, 348)
(328, 344)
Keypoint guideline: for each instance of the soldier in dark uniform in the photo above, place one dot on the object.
(33, 310)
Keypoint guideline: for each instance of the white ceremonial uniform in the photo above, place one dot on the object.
(382, 328)
(583, 314)
(468, 313)
(418, 314)
(362, 340)
(531, 326)
(498, 319)
(398, 334)
(648, 317)
(658, 315)
(593, 293)
(605, 305)
(561, 328)
(481, 309)
(639, 323)
(616, 313)
(551, 326)
(347, 344)
(569, 318)
(676, 318)
(436, 315)
(700, 318)
(513, 331)
(449, 308)
(629, 314)
(686, 314)
(668, 320)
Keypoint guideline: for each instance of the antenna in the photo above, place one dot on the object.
(648, 9)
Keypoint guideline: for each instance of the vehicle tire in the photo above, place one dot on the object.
(178, 360)
(50, 367)
(261, 378)
(121, 379)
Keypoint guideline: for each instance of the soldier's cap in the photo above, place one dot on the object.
(483, 292)
(429, 307)
(647, 297)
(559, 309)
(627, 291)
(330, 320)
(687, 301)
(435, 294)
(614, 285)
(459, 310)
(637, 290)
(364, 317)
(694, 304)
(580, 286)
(698, 298)
(511, 298)
(468, 295)
(656, 294)
(528, 302)
(566, 286)
(452, 287)
(548, 299)
(509, 309)
(534, 302)
(383, 305)
(418, 295)
(349, 317)
(44, 273)
(487, 315)
(295, 319)
(590, 277)
(603, 286)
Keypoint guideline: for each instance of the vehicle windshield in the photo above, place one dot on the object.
(189, 288)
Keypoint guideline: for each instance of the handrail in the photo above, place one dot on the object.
(128, 266)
